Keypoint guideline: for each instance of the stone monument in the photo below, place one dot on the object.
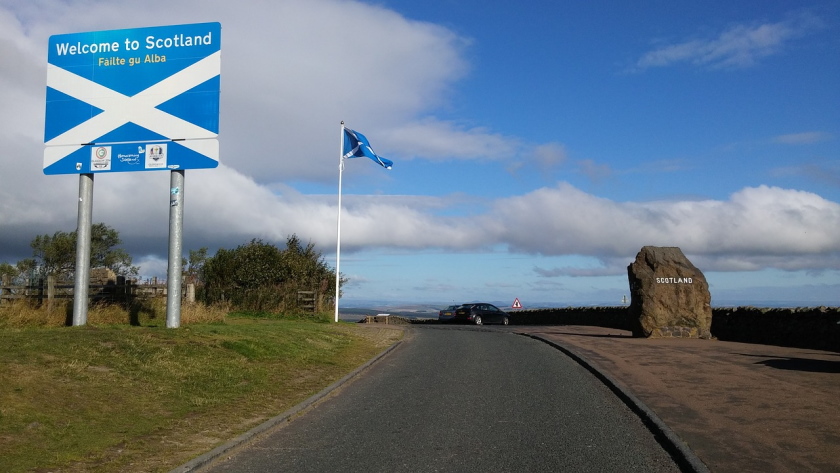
(669, 295)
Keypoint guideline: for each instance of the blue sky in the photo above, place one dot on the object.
(537, 146)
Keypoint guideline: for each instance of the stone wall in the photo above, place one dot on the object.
(612, 317)
(805, 327)
(814, 328)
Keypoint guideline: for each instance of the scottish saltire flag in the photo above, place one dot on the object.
(356, 146)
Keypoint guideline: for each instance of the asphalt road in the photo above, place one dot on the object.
(462, 399)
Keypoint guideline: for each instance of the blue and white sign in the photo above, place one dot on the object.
(139, 99)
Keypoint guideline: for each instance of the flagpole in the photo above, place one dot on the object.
(338, 231)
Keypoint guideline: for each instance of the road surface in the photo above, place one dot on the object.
(461, 399)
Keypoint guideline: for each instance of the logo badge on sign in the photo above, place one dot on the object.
(156, 156)
(100, 159)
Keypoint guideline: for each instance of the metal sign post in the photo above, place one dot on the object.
(174, 276)
(81, 278)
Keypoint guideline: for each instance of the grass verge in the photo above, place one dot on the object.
(104, 398)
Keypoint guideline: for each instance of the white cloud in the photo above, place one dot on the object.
(22, 80)
(550, 155)
(151, 266)
(581, 272)
(547, 158)
(804, 138)
(437, 140)
(737, 47)
(594, 171)
(763, 226)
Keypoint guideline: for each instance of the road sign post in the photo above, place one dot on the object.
(81, 277)
(176, 222)
(143, 99)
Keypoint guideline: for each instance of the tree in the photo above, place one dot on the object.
(194, 271)
(104, 252)
(18, 274)
(247, 276)
(26, 267)
(259, 276)
(8, 271)
(56, 254)
(306, 266)
(218, 276)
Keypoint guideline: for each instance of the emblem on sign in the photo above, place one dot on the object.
(100, 159)
(156, 156)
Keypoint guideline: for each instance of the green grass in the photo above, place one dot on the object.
(126, 398)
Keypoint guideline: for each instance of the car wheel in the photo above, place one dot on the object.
(477, 319)
(505, 321)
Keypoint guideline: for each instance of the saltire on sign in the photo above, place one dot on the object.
(138, 99)
(353, 145)
(356, 145)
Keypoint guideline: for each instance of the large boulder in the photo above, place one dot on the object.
(102, 276)
(669, 295)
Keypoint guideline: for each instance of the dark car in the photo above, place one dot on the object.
(447, 314)
(482, 313)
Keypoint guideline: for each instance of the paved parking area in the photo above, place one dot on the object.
(739, 407)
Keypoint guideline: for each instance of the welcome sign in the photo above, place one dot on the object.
(139, 99)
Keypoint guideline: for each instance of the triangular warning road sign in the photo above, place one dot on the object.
(516, 304)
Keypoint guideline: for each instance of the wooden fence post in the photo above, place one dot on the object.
(50, 291)
(40, 291)
(120, 290)
(5, 282)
